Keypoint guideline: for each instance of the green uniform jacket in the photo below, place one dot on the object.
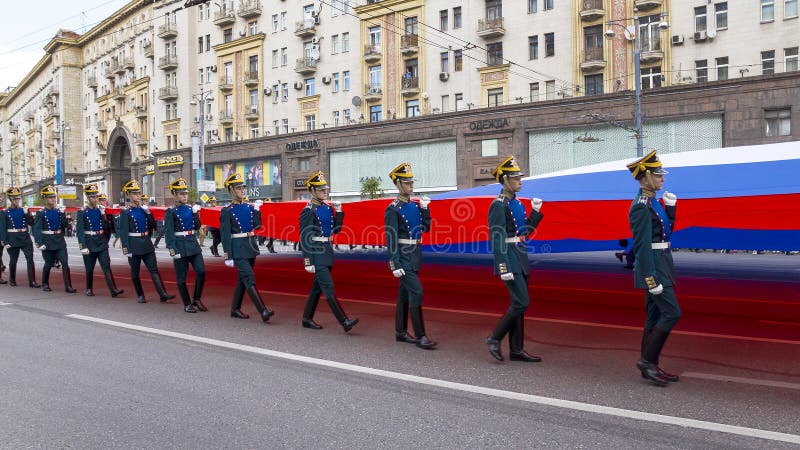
(16, 240)
(403, 256)
(52, 241)
(238, 248)
(96, 242)
(135, 245)
(652, 267)
(509, 257)
(180, 245)
(317, 253)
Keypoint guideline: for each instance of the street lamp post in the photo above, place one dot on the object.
(200, 100)
(61, 161)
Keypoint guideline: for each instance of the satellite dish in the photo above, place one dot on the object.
(314, 53)
(711, 32)
(356, 101)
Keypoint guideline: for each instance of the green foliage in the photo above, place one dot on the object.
(371, 188)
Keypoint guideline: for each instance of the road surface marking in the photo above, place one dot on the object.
(5, 304)
(498, 393)
(755, 381)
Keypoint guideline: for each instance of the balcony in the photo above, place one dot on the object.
(225, 117)
(140, 112)
(225, 84)
(372, 53)
(168, 30)
(169, 62)
(13, 129)
(110, 72)
(251, 79)
(92, 82)
(29, 115)
(593, 59)
(139, 141)
(592, 9)
(168, 93)
(372, 92)
(118, 94)
(225, 17)
(101, 126)
(491, 28)
(148, 50)
(251, 113)
(55, 135)
(52, 112)
(409, 44)
(644, 5)
(409, 86)
(128, 64)
(651, 50)
(249, 9)
(305, 28)
(306, 66)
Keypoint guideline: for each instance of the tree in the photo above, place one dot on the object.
(371, 188)
(193, 196)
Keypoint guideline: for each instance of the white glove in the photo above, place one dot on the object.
(399, 273)
(62, 208)
(424, 202)
(229, 262)
(657, 290)
(669, 198)
(311, 269)
(507, 276)
(102, 209)
(7, 246)
(145, 208)
(258, 203)
(195, 209)
(176, 256)
(536, 204)
(25, 209)
(337, 206)
(85, 251)
(43, 247)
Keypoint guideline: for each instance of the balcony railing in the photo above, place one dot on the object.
(409, 86)
(225, 117)
(118, 94)
(225, 83)
(148, 50)
(169, 62)
(372, 53)
(168, 30)
(489, 28)
(593, 59)
(140, 112)
(52, 111)
(128, 63)
(251, 79)
(306, 65)
(651, 49)
(409, 43)
(101, 125)
(91, 82)
(373, 92)
(305, 28)
(644, 5)
(225, 17)
(249, 8)
(168, 93)
(251, 113)
(592, 9)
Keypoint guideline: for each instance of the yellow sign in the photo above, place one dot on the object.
(174, 160)
(204, 198)
(68, 192)
(150, 169)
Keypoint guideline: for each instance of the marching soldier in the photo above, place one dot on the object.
(136, 224)
(405, 221)
(237, 223)
(318, 222)
(181, 224)
(652, 223)
(94, 230)
(14, 223)
(214, 232)
(49, 226)
(508, 228)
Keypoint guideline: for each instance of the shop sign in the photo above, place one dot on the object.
(311, 144)
(207, 185)
(488, 124)
(150, 169)
(94, 178)
(299, 183)
(68, 192)
(483, 171)
(166, 161)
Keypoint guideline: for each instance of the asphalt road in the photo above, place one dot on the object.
(70, 381)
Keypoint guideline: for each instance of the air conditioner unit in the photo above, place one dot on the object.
(298, 85)
(267, 91)
(314, 41)
(213, 68)
(677, 39)
(242, 33)
(196, 120)
(209, 117)
(444, 76)
(214, 132)
(700, 36)
(254, 109)
(326, 79)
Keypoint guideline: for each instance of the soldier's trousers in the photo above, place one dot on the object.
(182, 268)
(93, 258)
(410, 290)
(149, 260)
(323, 284)
(13, 256)
(247, 277)
(663, 310)
(215, 238)
(50, 257)
(518, 291)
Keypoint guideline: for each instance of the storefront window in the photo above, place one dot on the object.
(489, 147)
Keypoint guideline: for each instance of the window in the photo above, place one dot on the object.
(304, 164)
(767, 10)
(346, 80)
(548, 5)
(651, 77)
(495, 97)
(345, 42)
(252, 28)
(722, 68)
(534, 91)
(284, 56)
(550, 90)
(275, 58)
(458, 60)
(445, 57)
(445, 103)
(650, 33)
(335, 44)
(701, 69)
(790, 59)
(336, 81)
(375, 77)
(549, 44)
(412, 26)
(700, 19)
(284, 21)
(253, 131)
(593, 43)
(777, 122)
(489, 147)
(309, 85)
(532, 6)
(285, 92)
(200, 44)
(443, 17)
(276, 127)
(346, 116)
(412, 108)
(201, 76)
(228, 102)
(533, 47)
(456, 17)
(375, 113)
(593, 84)
(336, 7)
(374, 37)
(768, 62)
(459, 102)
(494, 53)
(721, 14)
(208, 75)
(227, 35)
(276, 92)
(789, 9)
(253, 94)
(274, 23)
(311, 122)
(494, 9)
(227, 72)
(252, 63)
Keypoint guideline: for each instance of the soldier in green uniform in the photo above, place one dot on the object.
(318, 222)
(93, 228)
(405, 221)
(181, 224)
(652, 223)
(49, 226)
(14, 223)
(508, 227)
(213, 231)
(136, 224)
(238, 221)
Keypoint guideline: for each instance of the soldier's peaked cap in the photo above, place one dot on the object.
(508, 167)
(13, 192)
(90, 189)
(648, 163)
(131, 186)
(317, 181)
(234, 179)
(179, 185)
(402, 172)
(47, 190)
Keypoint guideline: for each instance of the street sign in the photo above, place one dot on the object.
(68, 192)
(206, 186)
(204, 198)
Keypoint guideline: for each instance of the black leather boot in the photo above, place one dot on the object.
(187, 302)
(32, 276)
(336, 308)
(499, 332)
(516, 342)
(12, 275)
(265, 312)
(418, 323)
(199, 282)
(162, 293)
(67, 279)
(89, 284)
(137, 286)
(401, 324)
(236, 303)
(2, 269)
(46, 279)
(112, 286)
(494, 348)
(308, 313)
(647, 365)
